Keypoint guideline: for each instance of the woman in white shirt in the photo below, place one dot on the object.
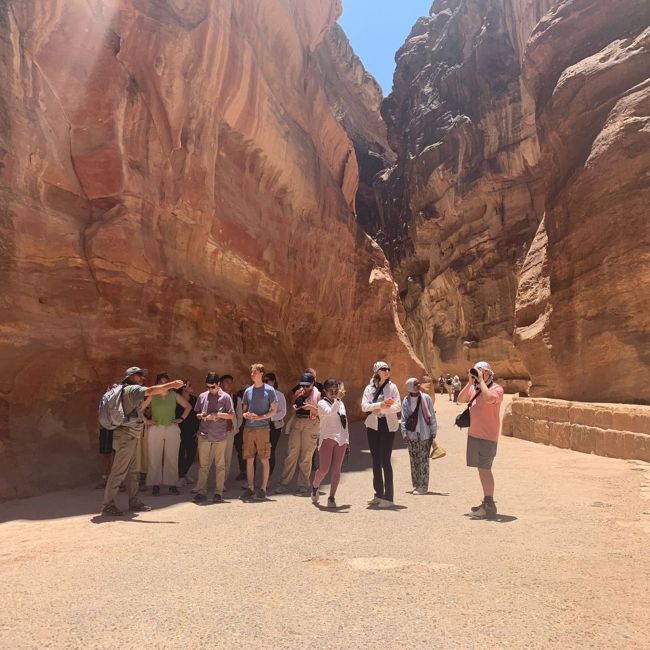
(277, 421)
(381, 402)
(333, 441)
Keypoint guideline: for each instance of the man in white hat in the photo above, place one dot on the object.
(484, 397)
(125, 440)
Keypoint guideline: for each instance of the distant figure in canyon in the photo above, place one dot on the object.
(449, 387)
(484, 397)
(456, 385)
(381, 403)
(441, 385)
(125, 438)
(303, 437)
(164, 437)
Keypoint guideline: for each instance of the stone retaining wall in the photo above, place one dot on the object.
(614, 430)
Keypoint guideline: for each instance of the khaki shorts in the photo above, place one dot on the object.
(257, 441)
(480, 453)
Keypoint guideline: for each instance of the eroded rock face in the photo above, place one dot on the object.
(464, 199)
(175, 192)
(584, 293)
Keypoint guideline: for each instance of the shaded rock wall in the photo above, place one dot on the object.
(174, 192)
(584, 295)
(355, 99)
(464, 199)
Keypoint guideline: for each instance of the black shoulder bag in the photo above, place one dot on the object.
(412, 420)
(378, 393)
(463, 419)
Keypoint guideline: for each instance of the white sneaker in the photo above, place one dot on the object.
(375, 501)
(419, 491)
(384, 503)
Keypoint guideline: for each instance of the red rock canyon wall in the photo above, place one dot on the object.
(174, 192)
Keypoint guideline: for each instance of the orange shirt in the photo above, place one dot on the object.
(485, 422)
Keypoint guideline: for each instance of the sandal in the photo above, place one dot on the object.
(112, 511)
(139, 507)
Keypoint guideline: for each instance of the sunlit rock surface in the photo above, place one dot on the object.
(175, 192)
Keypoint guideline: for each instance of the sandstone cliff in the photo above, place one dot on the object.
(174, 192)
(584, 295)
(355, 98)
(464, 199)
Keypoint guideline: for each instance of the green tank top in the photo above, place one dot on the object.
(163, 409)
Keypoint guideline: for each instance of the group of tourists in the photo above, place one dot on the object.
(181, 427)
(451, 386)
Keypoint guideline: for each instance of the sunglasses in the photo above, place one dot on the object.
(384, 369)
(212, 386)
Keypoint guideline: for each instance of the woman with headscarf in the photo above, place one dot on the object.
(381, 403)
(419, 428)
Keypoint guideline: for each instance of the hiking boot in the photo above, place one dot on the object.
(485, 511)
(260, 494)
(303, 492)
(331, 502)
(174, 490)
(280, 489)
(217, 498)
(247, 494)
(385, 503)
(155, 491)
(111, 511)
(199, 498)
(138, 506)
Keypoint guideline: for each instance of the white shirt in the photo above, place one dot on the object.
(390, 412)
(330, 422)
(282, 407)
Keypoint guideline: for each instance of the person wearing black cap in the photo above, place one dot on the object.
(303, 438)
(125, 438)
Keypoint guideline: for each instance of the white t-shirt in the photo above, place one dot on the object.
(330, 422)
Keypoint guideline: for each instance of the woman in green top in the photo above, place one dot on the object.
(163, 438)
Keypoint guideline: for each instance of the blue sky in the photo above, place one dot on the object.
(377, 29)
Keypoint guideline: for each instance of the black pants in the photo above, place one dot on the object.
(381, 447)
(275, 438)
(186, 454)
(238, 443)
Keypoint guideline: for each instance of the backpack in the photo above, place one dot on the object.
(111, 408)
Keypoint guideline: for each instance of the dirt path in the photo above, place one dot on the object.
(565, 566)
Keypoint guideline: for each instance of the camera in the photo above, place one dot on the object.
(473, 372)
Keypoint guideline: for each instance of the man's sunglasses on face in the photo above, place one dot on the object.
(212, 386)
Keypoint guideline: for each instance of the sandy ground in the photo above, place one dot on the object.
(565, 565)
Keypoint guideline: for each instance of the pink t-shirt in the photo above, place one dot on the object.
(485, 422)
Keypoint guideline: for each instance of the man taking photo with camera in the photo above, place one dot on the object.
(484, 397)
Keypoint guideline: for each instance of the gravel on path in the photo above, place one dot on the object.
(565, 565)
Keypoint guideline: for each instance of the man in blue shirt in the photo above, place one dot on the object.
(259, 405)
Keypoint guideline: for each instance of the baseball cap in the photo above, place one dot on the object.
(378, 365)
(134, 370)
(307, 379)
(483, 365)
